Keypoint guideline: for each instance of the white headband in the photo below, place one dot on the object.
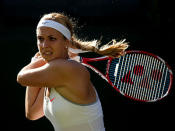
(62, 29)
(57, 26)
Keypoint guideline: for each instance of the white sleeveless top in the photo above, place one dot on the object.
(68, 116)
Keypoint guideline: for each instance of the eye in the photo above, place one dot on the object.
(40, 38)
(51, 38)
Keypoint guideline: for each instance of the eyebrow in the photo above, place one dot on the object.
(48, 36)
(51, 36)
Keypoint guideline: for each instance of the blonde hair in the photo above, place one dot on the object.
(113, 48)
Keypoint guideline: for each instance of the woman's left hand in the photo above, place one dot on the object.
(38, 60)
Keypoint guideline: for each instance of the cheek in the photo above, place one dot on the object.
(58, 50)
(59, 45)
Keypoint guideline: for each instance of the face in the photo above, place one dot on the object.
(51, 44)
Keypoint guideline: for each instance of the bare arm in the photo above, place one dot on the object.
(34, 103)
(54, 74)
(39, 74)
(34, 95)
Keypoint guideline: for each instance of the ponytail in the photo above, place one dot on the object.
(112, 49)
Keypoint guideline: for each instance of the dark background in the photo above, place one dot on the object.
(136, 20)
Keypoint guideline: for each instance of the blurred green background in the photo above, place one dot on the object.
(137, 21)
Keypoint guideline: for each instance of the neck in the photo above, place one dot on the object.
(65, 55)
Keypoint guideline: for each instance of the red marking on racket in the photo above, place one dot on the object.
(138, 70)
(145, 82)
(157, 73)
(127, 78)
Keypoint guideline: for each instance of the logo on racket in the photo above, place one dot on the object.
(138, 71)
(52, 99)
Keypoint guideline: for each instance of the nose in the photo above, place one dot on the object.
(44, 44)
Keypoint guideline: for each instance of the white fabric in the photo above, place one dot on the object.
(57, 26)
(67, 116)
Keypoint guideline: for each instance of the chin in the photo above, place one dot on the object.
(50, 59)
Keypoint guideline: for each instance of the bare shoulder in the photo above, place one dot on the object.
(70, 66)
(79, 68)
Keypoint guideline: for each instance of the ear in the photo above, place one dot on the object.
(68, 43)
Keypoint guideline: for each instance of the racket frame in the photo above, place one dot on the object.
(85, 61)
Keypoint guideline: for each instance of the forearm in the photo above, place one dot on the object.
(31, 95)
(28, 68)
(34, 102)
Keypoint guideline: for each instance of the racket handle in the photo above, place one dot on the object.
(76, 58)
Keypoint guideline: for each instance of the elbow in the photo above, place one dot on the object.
(33, 115)
(29, 116)
(30, 113)
(20, 80)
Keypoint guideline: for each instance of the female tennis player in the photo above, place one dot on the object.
(58, 87)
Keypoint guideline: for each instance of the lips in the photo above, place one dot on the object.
(47, 53)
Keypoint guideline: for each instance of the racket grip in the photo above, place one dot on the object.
(76, 58)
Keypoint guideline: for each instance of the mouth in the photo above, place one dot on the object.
(47, 53)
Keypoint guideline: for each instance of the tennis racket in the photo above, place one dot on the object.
(138, 75)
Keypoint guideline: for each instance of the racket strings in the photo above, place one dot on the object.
(153, 85)
(138, 84)
(139, 76)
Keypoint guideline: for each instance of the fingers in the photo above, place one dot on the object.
(36, 57)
